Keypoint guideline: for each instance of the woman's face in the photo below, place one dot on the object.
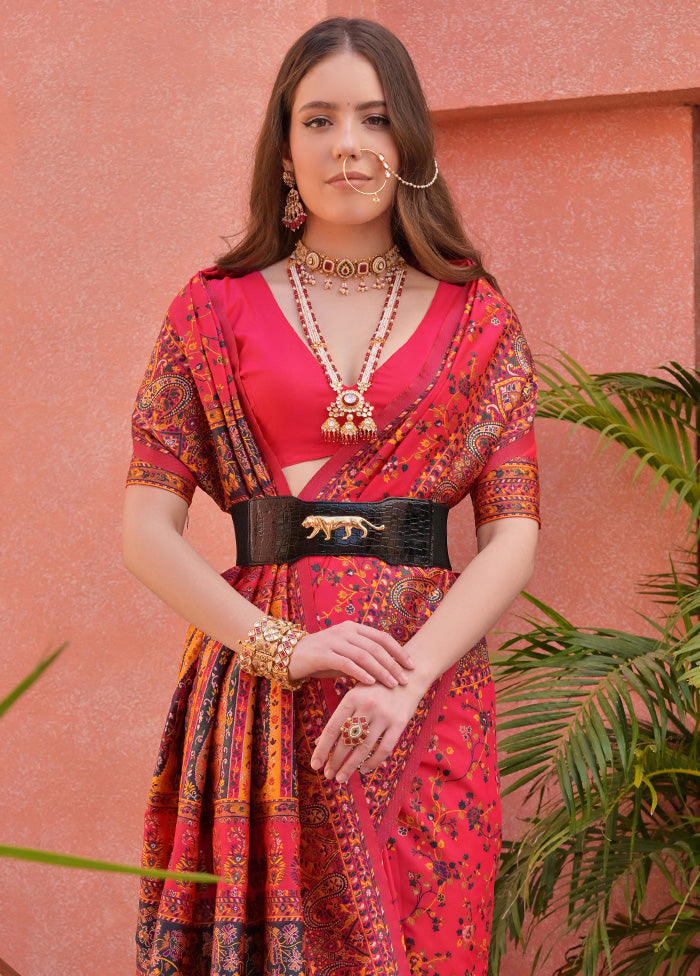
(339, 110)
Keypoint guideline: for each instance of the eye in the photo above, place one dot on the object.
(318, 122)
(377, 120)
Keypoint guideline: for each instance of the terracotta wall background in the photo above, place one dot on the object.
(566, 130)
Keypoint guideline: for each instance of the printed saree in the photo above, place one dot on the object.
(392, 873)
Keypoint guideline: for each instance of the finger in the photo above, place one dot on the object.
(397, 651)
(342, 664)
(348, 654)
(327, 740)
(383, 749)
(374, 660)
(307, 659)
(337, 758)
(331, 749)
(377, 648)
(356, 758)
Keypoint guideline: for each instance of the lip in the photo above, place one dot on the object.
(352, 176)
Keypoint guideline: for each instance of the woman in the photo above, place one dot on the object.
(330, 747)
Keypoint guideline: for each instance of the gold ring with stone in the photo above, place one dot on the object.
(354, 730)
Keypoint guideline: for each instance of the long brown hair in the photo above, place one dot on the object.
(425, 223)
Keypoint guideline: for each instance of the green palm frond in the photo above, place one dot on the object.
(610, 718)
(90, 864)
(663, 770)
(684, 385)
(602, 727)
(688, 653)
(675, 585)
(688, 606)
(609, 847)
(571, 706)
(578, 870)
(679, 590)
(70, 860)
(642, 949)
(26, 683)
(684, 635)
(654, 419)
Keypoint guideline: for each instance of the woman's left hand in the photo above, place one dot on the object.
(387, 712)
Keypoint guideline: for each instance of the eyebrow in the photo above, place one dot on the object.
(362, 107)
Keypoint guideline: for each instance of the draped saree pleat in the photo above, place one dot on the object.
(392, 873)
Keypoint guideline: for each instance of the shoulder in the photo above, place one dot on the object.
(211, 288)
(494, 329)
(491, 309)
(209, 291)
(215, 279)
(510, 351)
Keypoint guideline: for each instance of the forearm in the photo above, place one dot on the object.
(480, 595)
(157, 554)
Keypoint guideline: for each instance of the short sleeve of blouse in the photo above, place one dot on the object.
(508, 484)
(172, 444)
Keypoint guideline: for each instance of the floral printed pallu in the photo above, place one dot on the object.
(392, 873)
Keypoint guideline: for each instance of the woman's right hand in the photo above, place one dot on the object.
(352, 649)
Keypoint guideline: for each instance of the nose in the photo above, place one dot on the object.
(347, 141)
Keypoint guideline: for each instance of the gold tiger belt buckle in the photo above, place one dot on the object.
(329, 523)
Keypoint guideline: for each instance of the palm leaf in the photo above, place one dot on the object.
(684, 386)
(27, 682)
(88, 864)
(602, 727)
(639, 948)
(579, 867)
(677, 584)
(69, 860)
(655, 420)
(570, 698)
(683, 635)
(625, 776)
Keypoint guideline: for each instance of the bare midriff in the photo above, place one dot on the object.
(300, 474)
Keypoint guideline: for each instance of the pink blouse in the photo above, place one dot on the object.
(285, 385)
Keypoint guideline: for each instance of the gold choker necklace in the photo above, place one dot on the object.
(380, 266)
(349, 402)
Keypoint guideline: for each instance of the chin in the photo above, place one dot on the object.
(353, 215)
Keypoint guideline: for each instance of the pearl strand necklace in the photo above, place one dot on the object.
(349, 402)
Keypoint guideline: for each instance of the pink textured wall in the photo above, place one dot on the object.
(500, 53)
(587, 221)
(126, 138)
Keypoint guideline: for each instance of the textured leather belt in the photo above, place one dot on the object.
(399, 531)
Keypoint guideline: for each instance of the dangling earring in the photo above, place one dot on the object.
(294, 213)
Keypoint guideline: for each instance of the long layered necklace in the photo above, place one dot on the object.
(350, 402)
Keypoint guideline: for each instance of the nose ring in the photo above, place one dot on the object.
(388, 173)
(369, 193)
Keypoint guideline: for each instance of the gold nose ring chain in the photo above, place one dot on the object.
(366, 193)
(388, 173)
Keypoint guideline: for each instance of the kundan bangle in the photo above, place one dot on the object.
(267, 650)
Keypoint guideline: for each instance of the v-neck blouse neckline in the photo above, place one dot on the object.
(285, 385)
(284, 322)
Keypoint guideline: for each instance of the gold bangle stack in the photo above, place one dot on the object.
(267, 650)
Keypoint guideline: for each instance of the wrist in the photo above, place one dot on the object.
(267, 650)
(424, 673)
(433, 655)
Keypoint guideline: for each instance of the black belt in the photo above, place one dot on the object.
(399, 531)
